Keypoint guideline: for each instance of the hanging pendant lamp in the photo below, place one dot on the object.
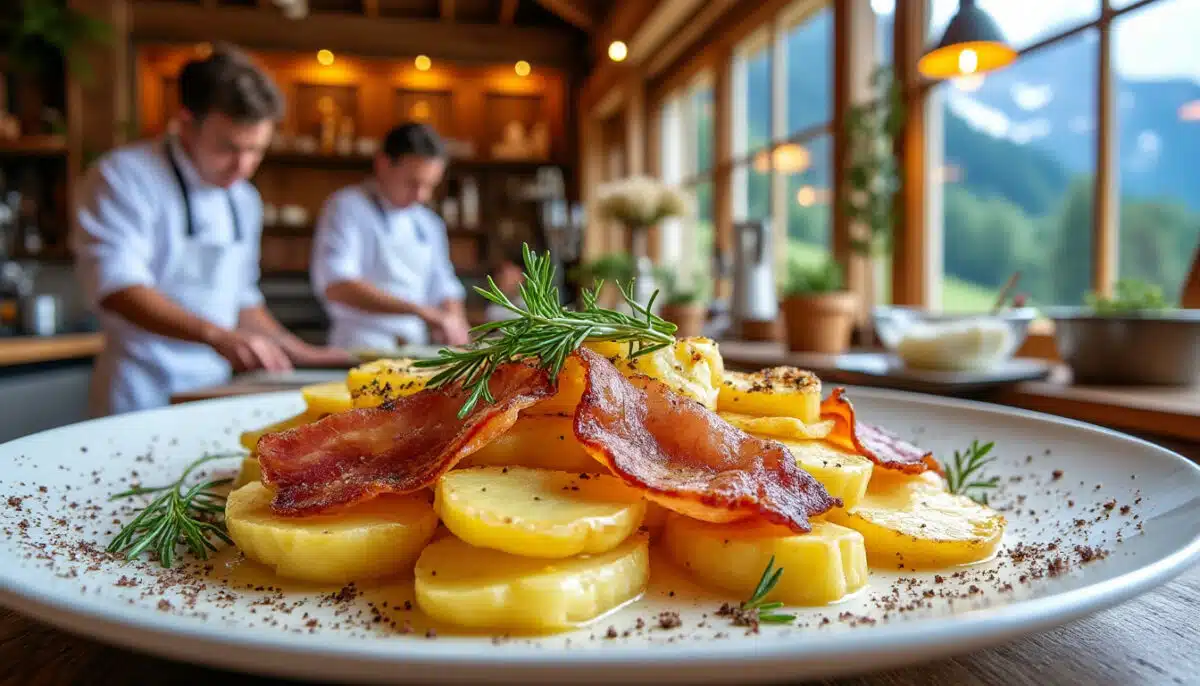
(972, 44)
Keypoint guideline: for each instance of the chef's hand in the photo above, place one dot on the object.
(249, 351)
(447, 328)
(305, 355)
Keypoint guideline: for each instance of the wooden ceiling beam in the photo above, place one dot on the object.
(355, 34)
(575, 12)
(508, 12)
(447, 10)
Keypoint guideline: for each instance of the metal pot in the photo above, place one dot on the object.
(1152, 348)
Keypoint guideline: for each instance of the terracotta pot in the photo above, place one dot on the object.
(820, 322)
(688, 318)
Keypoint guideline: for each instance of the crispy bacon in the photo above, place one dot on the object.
(878, 445)
(399, 447)
(685, 457)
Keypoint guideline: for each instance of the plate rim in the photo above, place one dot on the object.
(236, 647)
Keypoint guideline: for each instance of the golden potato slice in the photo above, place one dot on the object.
(378, 538)
(374, 383)
(250, 472)
(774, 392)
(488, 589)
(692, 367)
(845, 475)
(914, 522)
(538, 441)
(538, 512)
(326, 398)
(780, 428)
(820, 567)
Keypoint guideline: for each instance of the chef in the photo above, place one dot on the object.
(381, 259)
(166, 241)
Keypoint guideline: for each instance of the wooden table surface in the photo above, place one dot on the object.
(33, 349)
(1149, 640)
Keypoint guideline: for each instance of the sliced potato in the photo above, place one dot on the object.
(655, 519)
(779, 427)
(538, 512)
(915, 522)
(250, 472)
(374, 383)
(539, 441)
(488, 589)
(326, 398)
(692, 367)
(845, 475)
(774, 392)
(378, 538)
(820, 567)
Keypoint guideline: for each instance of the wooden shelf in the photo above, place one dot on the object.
(34, 146)
(355, 161)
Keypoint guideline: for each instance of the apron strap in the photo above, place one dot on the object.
(383, 214)
(189, 223)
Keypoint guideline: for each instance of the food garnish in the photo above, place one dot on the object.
(399, 447)
(191, 516)
(763, 611)
(685, 457)
(544, 332)
(964, 474)
(882, 447)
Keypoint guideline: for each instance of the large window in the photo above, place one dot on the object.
(1157, 72)
(686, 153)
(1017, 178)
(1016, 161)
(781, 168)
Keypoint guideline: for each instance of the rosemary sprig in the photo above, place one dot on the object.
(757, 602)
(544, 331)
(179, 515)
(964, 476)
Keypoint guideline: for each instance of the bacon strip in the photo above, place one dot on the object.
(399, 447)
(878, 445)
(685, 457)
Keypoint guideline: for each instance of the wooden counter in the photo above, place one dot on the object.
(34, 349)
(1173, 412)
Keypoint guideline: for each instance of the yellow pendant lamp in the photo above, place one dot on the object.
(972, 44)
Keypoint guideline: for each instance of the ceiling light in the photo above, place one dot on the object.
(617, 51)
(423, 63)
(522, 68)
(325, 57)
(972, 44)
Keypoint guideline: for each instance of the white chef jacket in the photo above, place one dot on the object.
(132, 228)
(402, 251)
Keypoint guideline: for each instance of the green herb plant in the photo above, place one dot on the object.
(544, 332)
(964, 476)
(1129, 296)
(695, 292)
(872, 200)
(48, 27)
(757, 602)
(806, 279)
(181, 515)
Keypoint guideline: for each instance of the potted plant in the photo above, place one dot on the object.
(638, 203)
(870, 195)
(684, 304)
(1134, 337)
(818, 312)
(613, 268)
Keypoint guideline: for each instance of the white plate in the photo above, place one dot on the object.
(49, 570)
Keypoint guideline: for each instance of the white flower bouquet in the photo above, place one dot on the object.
(639, 202)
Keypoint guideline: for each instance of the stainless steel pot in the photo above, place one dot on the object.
(1154, 348)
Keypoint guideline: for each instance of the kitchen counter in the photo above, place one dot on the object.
(36, 349)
